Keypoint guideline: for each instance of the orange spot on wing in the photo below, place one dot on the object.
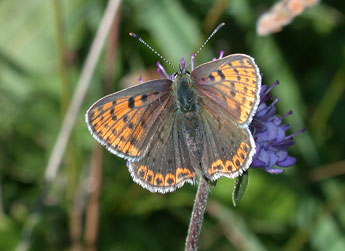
(243, 100)
(98, 119)
(149, 176)
(236, 63)
(109, 133)
(245, 147)
(95, 112)
(110, 138)
(248, 63)
(138, 101)
(103, 127)
(142, 171)
(122, 101)
(236, 160)
(126, 134)
(241, 153)
(121, 112)
(231, 103)
(216, 77)
(220, 167)
(107, 106)
(248, 72)
(124, 146)
(120, 123)
(231, 77)
(182, 174)
(159, 180)
(133, 151)
(231, 166)
(244, 115)
(229, 72)
(170, 179)
(130, 148)
(248, 91)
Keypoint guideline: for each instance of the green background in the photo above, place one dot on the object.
(43, 46)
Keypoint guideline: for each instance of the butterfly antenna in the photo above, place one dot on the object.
(203, 45)
(159, 55)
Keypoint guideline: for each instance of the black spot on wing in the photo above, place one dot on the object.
(211, 77)
(113, 115)
(131, 102)
(221, 74)
(143, 97)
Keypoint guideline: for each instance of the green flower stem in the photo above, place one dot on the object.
(197, 215)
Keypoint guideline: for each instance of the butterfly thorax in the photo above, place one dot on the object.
(184, 92)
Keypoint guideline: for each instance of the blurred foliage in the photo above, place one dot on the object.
(302, 209)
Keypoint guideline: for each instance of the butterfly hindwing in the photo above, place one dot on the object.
(228, 148)
(168, 163)
(233, 83)
(125, 122)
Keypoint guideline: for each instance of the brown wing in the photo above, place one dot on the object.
(233, 83)
(228, 148)
(126, 121)
(167, 165)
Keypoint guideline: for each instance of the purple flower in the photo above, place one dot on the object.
(270, 135)
(267, 128)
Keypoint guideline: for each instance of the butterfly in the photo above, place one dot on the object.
(173, 130)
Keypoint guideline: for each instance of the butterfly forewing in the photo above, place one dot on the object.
(125, 122)
(232, 83)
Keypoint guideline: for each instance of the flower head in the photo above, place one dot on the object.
(270, 135)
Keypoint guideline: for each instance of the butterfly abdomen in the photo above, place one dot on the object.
(193, 136)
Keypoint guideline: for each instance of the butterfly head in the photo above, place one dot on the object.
(182, 70)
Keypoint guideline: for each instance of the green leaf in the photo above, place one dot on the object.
(240, 186)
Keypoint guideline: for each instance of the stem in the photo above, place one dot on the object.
(197, 215)
(93, 208)
(80, 91)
